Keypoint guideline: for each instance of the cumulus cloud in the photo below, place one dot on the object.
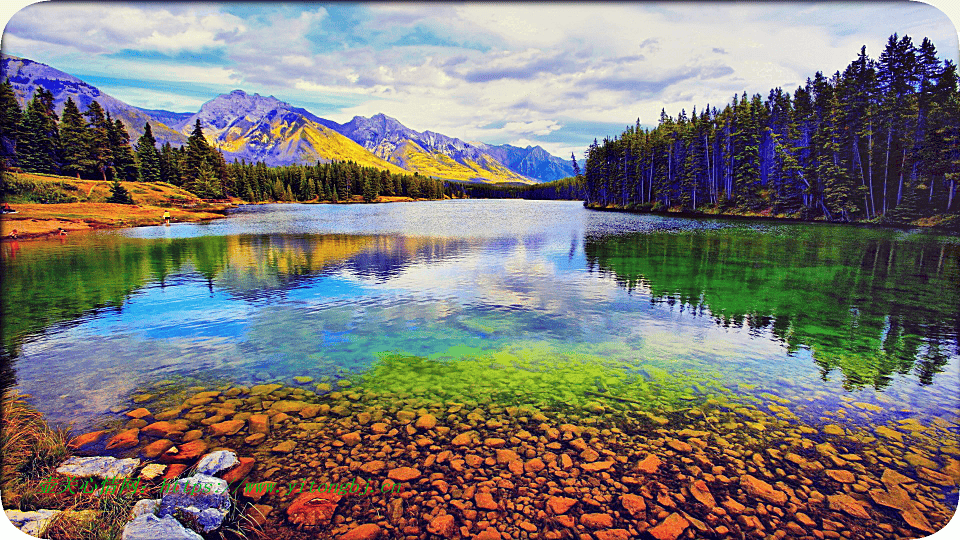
(459, 69)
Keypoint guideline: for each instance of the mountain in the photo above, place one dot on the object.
(26, 76)
(532, 161)
(166, 117)
(258, 128)
(428, 153)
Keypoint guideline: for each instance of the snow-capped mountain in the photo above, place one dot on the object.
(429, 153)
(532, 161)
(264, 128)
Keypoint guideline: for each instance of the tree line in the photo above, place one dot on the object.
(878, 142)
(334, 182)
(565, 189)
(92, 145)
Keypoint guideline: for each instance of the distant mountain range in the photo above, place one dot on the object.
(257, 128)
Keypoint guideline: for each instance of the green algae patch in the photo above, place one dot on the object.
(540, 375)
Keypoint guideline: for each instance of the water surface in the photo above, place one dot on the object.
(541, 302)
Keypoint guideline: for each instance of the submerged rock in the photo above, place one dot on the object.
(86, 439)
(99, 466)
(124, 439)
(762, 490)
(215, 462)
(368, 531)
(313, 508)
(239, 471)
(670, 528)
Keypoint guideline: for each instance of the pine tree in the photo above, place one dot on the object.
(10, 114)
(197, 152)
(119, 194)
(74, 143)
(124, 164)
(370, 189)
(98, 139)
(206, 184)
(38, 146)
(148, 156)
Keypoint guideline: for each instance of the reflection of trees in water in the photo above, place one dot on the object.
(49, 283)
(861, 300)
(390, 255)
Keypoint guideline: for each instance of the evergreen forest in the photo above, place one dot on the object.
(92, 145)
(879, 142)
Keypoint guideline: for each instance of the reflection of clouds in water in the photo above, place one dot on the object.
(81, 378)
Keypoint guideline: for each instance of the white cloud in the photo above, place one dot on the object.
(531, 63)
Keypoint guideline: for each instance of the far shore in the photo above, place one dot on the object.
(35, 220)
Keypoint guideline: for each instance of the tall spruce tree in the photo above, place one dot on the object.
(148, 156)
(38, 147)
(74, 142)
(197, 153)
(124, 164)
(99, 139)
(10, 114)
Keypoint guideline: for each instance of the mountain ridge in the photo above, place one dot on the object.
(264, 128)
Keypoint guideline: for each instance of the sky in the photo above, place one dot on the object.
(554, 75)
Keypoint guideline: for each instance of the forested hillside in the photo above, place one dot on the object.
(92, 145)
(879, 142)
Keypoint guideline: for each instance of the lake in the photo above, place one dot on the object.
(621, 323)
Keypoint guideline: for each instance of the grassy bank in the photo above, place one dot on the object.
(46, 203)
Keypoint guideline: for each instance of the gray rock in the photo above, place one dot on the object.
(215, 462)
(204, 497)
(34, 523)
(144, 507)
(99, 466)
(151, 527)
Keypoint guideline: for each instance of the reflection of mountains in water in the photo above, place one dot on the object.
(390, 255)
(860, 300)
(50, 283)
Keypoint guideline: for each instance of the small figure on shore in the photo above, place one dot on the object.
(13, 234)
(166, 217)
(61, 231)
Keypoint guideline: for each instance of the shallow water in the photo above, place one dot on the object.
(508, 303)
(282, 290)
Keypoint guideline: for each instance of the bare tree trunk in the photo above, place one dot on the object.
(886, 169)
(866, 202)
(900, 187)
(950, 194)
(873, 204)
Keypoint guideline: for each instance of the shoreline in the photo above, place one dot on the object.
(35, 221)
(950, 227)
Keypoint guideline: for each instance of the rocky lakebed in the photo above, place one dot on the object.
(456, 466)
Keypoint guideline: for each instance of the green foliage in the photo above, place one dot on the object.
(74, 142)
(38, 137)
(119, 194)
(841, 148)
(333, 182)
(99, 139)
(23, 190)
(148, 156)
(10, 114)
